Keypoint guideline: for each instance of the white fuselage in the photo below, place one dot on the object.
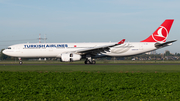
(38, 50)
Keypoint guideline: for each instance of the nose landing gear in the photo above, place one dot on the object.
(20, 61)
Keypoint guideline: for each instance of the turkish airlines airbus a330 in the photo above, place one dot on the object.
(76, 51)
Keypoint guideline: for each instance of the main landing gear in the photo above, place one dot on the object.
(89, 61)
(20, 61)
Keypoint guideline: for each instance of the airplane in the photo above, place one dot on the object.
(68, 52)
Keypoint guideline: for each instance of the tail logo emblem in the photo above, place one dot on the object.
(160, 35)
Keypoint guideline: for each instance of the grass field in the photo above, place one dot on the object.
(89, 82)
(86, 86)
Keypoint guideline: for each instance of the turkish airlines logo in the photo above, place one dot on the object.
(160, 35)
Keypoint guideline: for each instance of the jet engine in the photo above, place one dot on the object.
(66, 57)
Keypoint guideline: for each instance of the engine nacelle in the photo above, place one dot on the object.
(70, 57)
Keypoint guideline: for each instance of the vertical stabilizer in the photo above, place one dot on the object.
(161, 33)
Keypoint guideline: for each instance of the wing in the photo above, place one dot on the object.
(100, 49)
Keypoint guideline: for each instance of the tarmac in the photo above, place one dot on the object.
(102, 64)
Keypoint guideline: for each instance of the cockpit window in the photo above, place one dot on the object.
(9, 47)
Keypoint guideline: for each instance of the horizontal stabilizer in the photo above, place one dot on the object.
(160, 45)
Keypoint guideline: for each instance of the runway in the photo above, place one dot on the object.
(106, 67)
(100, 64)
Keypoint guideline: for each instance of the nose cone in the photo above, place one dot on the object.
(8, 52)
(4, 51)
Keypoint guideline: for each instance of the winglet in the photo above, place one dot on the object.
(121, 42)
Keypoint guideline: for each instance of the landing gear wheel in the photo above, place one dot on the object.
(93, 62)
(20, 62)
(87, 62)
(71, 60)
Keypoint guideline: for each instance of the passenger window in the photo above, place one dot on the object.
(9, 47)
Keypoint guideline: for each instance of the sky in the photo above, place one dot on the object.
(22, 21)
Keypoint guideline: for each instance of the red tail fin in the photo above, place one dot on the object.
(161, 34)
